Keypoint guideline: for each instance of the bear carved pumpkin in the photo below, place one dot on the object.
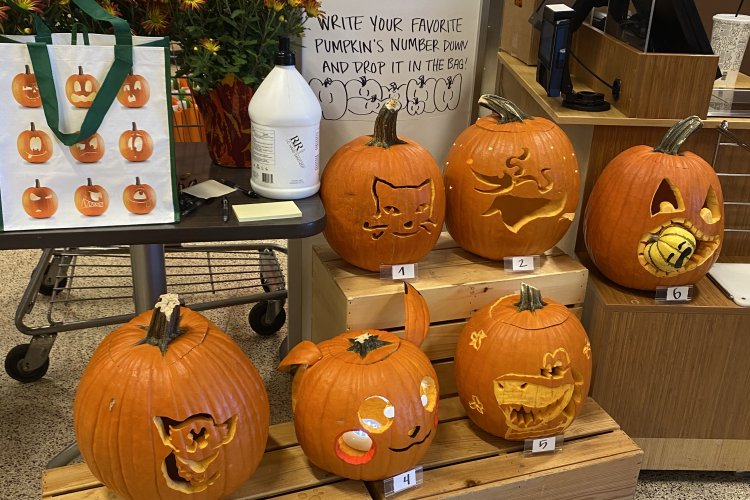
(81, 89)
(511, 183)
(383, 196)
(523, 366)
(91, 199)
(134, 92)
(39, 202)
(136, 145)
(25, 89)
(366, 402)
(170, 407)
(34, 146)
(655, 216)
(90, 150)
(139, 199)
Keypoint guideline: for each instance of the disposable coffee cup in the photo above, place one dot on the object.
(728, 40)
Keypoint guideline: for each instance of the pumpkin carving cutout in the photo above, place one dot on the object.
(91, 199)
(34, 146)
(39, 202)
(139, 199)
(25, 89)
(185, 401)
(366, 402)
(90, 150)
(81, 89)
(134, 92)
(383, 196)
(655, 216)
(523, 366)
(511, 183)
(136, 145)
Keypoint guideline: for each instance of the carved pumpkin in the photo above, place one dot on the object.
(170, 407)
(139, 198)
(523, 366)
(39, 202)
(26, 90)
(81, 89)
(34, 146)
(383, 196)
(655, 216)
(90, 150)
(136, 145)
(134, 92)
(91, 199)
(365, 402)
(511, 183)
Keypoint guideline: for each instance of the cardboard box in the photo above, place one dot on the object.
(517, 36)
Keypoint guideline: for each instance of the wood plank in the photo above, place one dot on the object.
(328, 304)
(343, 490)
(67, 479)
(446, 378)
(695, 454)
(326, 253)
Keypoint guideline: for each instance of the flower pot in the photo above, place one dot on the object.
(227, 123)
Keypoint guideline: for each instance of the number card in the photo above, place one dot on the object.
(521, 264)
(549, 444)
(403, 481)
(399, 272)
(674, 294)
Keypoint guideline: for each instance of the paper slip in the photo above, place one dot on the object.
(209, 189)
(264, 211)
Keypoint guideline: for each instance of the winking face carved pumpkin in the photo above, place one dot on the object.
(365, 402)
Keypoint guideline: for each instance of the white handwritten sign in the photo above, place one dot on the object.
(421, 53)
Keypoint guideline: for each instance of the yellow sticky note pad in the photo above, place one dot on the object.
(266, 211)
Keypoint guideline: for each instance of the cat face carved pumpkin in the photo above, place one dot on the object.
(401, 211)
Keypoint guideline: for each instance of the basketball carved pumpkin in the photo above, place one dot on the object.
(25, 89)
(170, 407)
(91, 199)
(134, 92)
(383, 196)
(523, 366)
(655, 216)
(34, 146)
(81, 89)
(136, 145)
(511, 183)
(366, 402)
(90, 150)
(139, 198)
(39, 202)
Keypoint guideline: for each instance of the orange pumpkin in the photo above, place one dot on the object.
(25, 89)
(383, 196)
(523, 366)
(136, 145)
(134, 92)
(91, 199)
(81, 89)
(655, 216)
(34, 146)
(511, 183)
(366, 402)
(170, 407)
(139, 198)
(39, 202)
(90, 150)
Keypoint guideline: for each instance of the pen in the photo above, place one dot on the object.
(232, 184)
(224, 209)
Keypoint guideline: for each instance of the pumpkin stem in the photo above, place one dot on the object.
(506, 110)
(531, 299)
(80, 70)
(33, 127)
(165, 321)
(37, 183)
(88, 180)
(677, 135)
(28, 70)
(137, 181)
(134, 127)
(384, 135)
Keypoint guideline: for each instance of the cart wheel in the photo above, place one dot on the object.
(257, 319)
(14, 367)
(48, 283)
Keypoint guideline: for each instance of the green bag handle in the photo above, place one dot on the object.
(107, 92)
(74, 34)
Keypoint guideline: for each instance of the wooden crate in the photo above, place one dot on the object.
(454, 282)
(598, 461)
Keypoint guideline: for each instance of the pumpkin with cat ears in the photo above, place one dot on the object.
(384, 197)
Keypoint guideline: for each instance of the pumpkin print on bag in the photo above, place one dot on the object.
(655, 216)
(366, 402)
(26, 90)
(39, 202)
(136, 145)
(511, 183)
(189, 407)
(134, 92)
(91, 199)
(34, 146)
(81, 89)
(139, 199)
(383, 196)
(523, 366)
(90, 150)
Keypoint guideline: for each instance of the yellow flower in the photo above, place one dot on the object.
(210, 45)
(295, 3)
(156, 20)
(276, 5)
(192, 4)
(312, 7)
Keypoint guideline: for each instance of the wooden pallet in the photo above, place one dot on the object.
(598, 461)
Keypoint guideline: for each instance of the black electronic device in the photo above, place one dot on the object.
(553, 47)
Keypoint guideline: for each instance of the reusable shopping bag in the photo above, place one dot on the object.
(86, 137)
